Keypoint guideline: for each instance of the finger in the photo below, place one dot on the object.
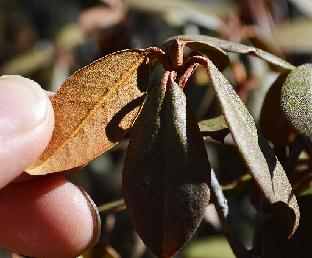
(26, 125)
(47, 217)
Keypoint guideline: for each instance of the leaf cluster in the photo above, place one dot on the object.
(167, 177)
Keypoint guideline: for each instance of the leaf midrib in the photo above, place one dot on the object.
(96, 107)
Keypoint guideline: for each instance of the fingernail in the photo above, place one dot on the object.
(23, 105)
(95, 218)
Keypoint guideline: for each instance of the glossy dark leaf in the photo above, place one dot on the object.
(166, 172)
(272, 122)
(94, 108)
(257, 153)
(296, 100)
(198, 41)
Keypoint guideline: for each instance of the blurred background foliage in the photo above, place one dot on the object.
(49, 40)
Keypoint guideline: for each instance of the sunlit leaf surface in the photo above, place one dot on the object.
(296, 99)
(258, 155)
(94, 108)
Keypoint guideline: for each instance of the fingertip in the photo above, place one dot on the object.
(26, 125)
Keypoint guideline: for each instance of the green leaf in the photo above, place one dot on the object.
(296, 100)
(272, 122)
(216, 128)
(257, 153)
(198, 42)
(166, 171)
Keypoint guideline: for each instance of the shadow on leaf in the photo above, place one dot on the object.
(113, 130)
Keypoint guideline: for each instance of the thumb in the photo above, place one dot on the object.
(26, 125)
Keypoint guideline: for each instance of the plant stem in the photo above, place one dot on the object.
(112, 207)
(222, 208)
(155, 52)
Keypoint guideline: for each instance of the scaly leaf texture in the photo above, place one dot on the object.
(166, 172)
(94, 108)
(198, 41)
(257, 153)
(296, 100)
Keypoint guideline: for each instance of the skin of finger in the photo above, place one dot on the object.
(18, 151)
(66, 173)
(48, 217)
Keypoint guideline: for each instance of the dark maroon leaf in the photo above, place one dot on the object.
(166, 172)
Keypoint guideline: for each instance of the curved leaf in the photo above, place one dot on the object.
(166, 171)
(257, 153)
(94, 108)
(272, 123)
(194, 41)
(296, 99)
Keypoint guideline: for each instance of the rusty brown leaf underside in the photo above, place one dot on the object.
(94, 108)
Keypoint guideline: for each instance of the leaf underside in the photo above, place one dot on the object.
(296, 100)
(258, 155)
(94, 108)
(204, 44)
(166, 172)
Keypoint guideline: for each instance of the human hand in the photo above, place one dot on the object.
(46, 216)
